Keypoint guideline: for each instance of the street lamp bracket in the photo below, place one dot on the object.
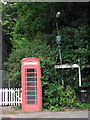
(58, 39)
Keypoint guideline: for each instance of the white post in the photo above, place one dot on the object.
(18, 96)
(21, 96)
(79, 77)
(0, 96)
(3, 96)
(6, 96)
(14, 97)
(9, 96)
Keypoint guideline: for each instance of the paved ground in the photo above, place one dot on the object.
(68, 114)
(6, 110)
(44, 114)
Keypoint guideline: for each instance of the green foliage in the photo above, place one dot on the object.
(75, 46)
(70, 98)
(9, 17)
(59, 98)
(54, 97)
(20, 50)
(34, 17)
(18, 107)
(84, 106)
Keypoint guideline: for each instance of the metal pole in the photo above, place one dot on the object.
(57, 28)
(79, 77)
(58, 42)
(61, 64)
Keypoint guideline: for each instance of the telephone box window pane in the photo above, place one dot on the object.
(30, 97)
(30, 70)
(30, 88)
(31, 102)
(31, 84)
(30, 79)
(36, 97)
(30, 74)
(30, 93)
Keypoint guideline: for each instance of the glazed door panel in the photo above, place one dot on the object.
(31, 86)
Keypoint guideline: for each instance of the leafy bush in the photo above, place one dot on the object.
(13, 66)
(59, 98)
(44, 47)
(71, 98)
(84, 106)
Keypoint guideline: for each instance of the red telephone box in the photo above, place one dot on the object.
(31, 85)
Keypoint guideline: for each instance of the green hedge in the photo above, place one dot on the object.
(44, 47)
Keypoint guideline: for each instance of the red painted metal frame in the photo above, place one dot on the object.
(38, 105)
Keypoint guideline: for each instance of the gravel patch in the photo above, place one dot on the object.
(7, 110)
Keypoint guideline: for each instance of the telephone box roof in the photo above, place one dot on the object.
(30, 58)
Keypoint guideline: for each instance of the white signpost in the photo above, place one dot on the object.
(64, 66)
